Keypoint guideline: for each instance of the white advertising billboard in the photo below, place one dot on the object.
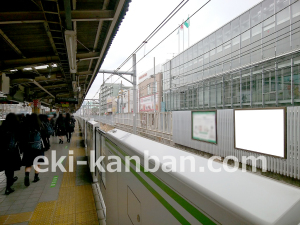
(261, 130)
(204, 126)
(147, 103)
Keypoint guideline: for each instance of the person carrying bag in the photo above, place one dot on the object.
(10, 159)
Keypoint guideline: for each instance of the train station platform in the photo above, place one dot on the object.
(58, 198)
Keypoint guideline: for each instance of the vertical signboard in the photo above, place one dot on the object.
(204, 126)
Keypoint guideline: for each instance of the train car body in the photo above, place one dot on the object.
(188, 197)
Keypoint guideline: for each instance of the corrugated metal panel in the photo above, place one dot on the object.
(225, 147)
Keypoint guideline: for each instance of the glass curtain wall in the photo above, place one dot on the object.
(251, 61)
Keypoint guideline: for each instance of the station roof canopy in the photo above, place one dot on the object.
(52, 47)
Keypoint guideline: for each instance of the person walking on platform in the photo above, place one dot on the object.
(70, 124)
(61, 128)
(32, 146)
(46, 130)
(53, 124)
(10, 159)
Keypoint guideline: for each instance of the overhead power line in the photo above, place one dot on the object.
(150, 36)
(167, 19)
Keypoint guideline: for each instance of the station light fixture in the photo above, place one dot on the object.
(70, 37)
(41, 67)
(27, 69)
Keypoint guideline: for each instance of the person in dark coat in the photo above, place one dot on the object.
(70, 124)
(44, 131)
(60, 127)
(53, 124)
(32, 146)
(10, 159)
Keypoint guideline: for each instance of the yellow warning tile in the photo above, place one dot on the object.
(64, 219)
(85, 207)
(45, 205)
(3, 219)
(18, 218)
(67, 209)
(66, 201)
(88, 216)
(43, 211)
(89, 223)
(43, 221)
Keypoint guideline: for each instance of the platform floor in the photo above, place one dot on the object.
(58, 198)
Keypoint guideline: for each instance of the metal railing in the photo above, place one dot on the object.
(157, 126)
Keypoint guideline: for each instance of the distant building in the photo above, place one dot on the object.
(148, 90)
(108, 94)
(252, 61)
(126, 101)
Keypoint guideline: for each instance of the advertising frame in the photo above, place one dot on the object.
(284, 128)
(216, 125)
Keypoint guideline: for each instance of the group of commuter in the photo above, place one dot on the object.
(64, 126)
(29, 136)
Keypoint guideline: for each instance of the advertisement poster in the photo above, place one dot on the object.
(147, 103)
(204, 126)
(261, 130)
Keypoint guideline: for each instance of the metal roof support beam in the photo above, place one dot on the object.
(22, 21)
(105, 4)
(82, 56)
(38, 16)
(67, 5)
(84, 73)
(46, 25)
(13, 63)
(97, 57)
(92, 15)
(108, 36)
(116, 72)
(41, 87)
(12, 45)
(52, 86)
(119, 73)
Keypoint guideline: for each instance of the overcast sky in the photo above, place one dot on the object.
(144, 16)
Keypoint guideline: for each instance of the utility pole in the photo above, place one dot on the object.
(118, 102)
(133, 82)
(99, 108)
(122, 98)
(134, 93)
(88, 110)
(154, 88)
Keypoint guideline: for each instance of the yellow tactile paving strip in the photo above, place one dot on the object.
(75, 204)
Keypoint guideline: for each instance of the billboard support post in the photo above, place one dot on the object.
(134, 93)
(154, 88)
(99, 108)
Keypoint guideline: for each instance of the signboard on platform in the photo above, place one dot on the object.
(65, 104)
(5, 101)
(69, 100)
(261, 130)
(204, 126)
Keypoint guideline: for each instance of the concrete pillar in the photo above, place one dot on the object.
(35, 106)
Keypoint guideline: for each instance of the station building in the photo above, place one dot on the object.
(252, 61)
(150, 88)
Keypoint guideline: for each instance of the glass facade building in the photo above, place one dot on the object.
(252, 61)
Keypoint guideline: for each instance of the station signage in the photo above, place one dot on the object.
(66, 100)
(5, 101)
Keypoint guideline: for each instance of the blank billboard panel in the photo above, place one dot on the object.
(261, 130)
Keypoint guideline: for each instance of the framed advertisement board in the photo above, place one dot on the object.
(261, 131)
(204, 126)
